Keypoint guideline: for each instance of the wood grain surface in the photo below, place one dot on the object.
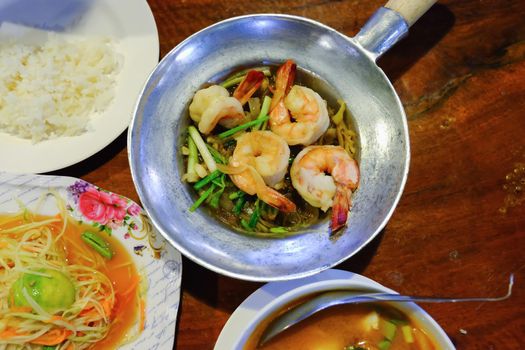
(459, 229)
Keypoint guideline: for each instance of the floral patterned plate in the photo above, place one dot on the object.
(156, 260)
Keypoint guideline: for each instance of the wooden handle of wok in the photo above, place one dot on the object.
(411, 10)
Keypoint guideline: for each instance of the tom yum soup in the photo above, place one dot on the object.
(364, 326)
(268, 156)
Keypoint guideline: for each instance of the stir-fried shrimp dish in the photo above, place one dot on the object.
(268, 155)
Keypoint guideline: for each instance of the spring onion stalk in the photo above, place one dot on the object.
(203, 182)
(255, 215)
(239, 76)
(239, 204)
(384, 344)
(202, 198)
(245, 225)
(235, 195)
(264, 112)
(193, 159)
(203, 150)
(265, 125)
(217, 156)
(278, 229)
(339, 116)
(216, 197)
(232, 82)
(244, 126)
(407, 333)
(230, 143)
(264, 69)
(219, 181)
(265, 106)
(255, 106)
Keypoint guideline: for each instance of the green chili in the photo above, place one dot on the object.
(99, 244)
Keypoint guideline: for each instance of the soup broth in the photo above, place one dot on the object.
(351, 327)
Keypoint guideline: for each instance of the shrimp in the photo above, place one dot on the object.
(214, 105)
(259, 162)
(297, 113)
(325, 177)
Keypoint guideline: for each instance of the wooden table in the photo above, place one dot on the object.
(459, 229)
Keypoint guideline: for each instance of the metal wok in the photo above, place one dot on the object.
(345, 67)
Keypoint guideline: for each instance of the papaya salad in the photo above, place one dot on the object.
(64, 286)
(268, 156)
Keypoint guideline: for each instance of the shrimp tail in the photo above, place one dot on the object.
(340, 208)
(248, 86)
(283, 82)
(277, 200)
(269, 195)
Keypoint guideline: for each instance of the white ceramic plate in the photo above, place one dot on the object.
(273, 296)
(163, 274)
(131, 25)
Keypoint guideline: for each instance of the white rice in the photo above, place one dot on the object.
(51, 88)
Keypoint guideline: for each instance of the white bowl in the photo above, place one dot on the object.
(274, 296)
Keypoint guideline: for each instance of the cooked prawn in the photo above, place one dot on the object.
(214, 105)
(297, 113)
(259, 162)
(325, 177)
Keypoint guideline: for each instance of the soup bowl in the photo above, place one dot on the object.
(247, 322)
(343, 67)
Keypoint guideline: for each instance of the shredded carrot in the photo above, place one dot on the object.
(107, 305)
(9, 333)
(53, 337)
(20, 309)
(142, 310)
(3, 244)
(70, 347)
(90, 310)
(30, 249)
(56, 318)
